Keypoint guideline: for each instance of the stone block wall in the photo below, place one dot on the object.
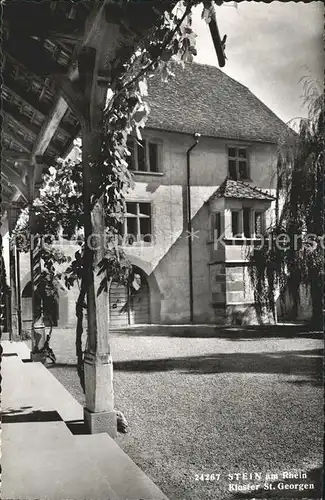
(246, 314)
(238, 285)
(232, 296)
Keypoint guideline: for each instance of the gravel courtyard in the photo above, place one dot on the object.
(201, 400)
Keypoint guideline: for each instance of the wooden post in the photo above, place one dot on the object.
(99, 411)
(102, 40)
(13, 281)
(30, 178)
(98, 367)
(37, 332)
(18, 293)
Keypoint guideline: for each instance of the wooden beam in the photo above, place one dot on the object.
(18, 205)
(15, 155)
(21, 95)
(9, 111)
(25, 126)
(11, 135)
(15, 179)
(38, 18)
(6, 185)
(32, 55)
(60, 107)
(32, 102)
(14, 172)
(73, 97)
(50, 126)
(71, 38)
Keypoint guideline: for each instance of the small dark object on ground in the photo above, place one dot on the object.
(49, 354)
(122, 423)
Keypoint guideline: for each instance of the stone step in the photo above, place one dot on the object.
(32, 385)
(42, 459)
(19, 348)
(23, 350)
(126, 479)
(20, 392)
(39, 461)
(56, 395)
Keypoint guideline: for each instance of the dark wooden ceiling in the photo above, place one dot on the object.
(39, 42)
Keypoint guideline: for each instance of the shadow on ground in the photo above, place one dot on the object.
(77, 427)
(314, 478)
(27, 414)
(304, 363)
(12, 415)
(230, 333)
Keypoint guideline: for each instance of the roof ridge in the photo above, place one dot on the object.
(229, 184)
(255, 188)
(196, 63)
(202, 95)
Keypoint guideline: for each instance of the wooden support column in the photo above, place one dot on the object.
(14, 299)
(99, 411)
(18, 293)
(38, 326)
(98, 366)
(30, 180)
(84, 94)
(35, 268)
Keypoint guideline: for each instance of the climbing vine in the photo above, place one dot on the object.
(293, 254)
(58, 212)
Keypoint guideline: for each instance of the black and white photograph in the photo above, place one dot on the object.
(162, 250)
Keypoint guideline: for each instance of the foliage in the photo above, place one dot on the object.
(294, 253)
(60, 204)
(127, 110)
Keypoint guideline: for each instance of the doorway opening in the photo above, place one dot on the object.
(130, 305)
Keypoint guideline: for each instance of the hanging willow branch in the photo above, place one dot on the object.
(276, 268)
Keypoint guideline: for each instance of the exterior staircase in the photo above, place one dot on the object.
(44, 455)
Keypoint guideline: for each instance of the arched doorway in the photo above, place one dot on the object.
(130, 306)
(50, 307)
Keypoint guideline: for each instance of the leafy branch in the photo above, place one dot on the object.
(58, 212)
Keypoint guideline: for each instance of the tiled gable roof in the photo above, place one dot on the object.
(240, 190)
(201, 98)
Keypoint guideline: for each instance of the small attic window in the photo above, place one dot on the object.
(235, 223)
(238, 163)
(215, 225)
(145, 155)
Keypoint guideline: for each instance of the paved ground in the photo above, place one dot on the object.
(203, 401)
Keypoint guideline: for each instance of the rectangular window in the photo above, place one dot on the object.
(144, 155)
(232, 169)
(131, 159)
(215, 226)
(235, 224)
(247, 222)
(238, 168)
(258, 223)
(153, 157)
(137, 223)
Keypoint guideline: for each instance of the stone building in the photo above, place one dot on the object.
(232, 186)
